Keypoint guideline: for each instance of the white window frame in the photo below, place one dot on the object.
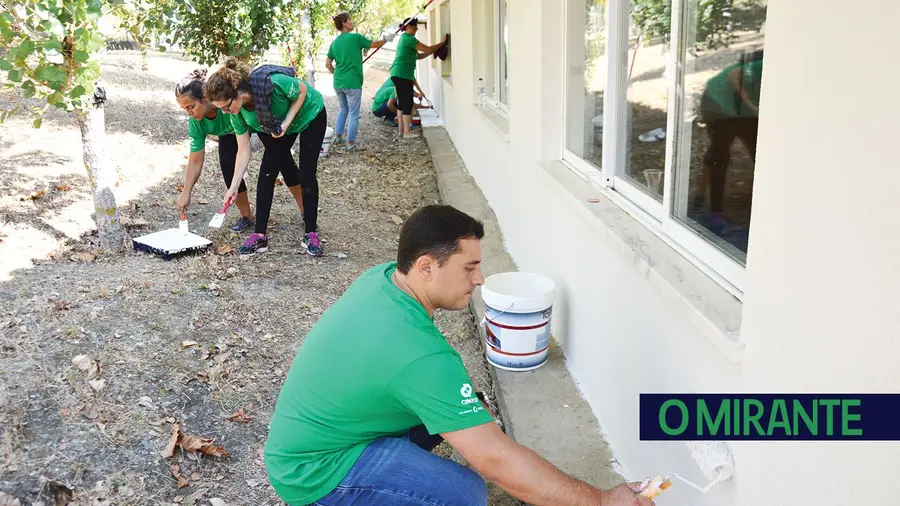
(655, 215)
(493, 99)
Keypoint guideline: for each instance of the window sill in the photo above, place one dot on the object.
(714, 311)
(496, 119)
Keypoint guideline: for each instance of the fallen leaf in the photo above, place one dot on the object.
(98, 384)
(32, 196)
(203, 202)
(178, 499)
(225, 249)
(192, 499)
(195, 476)
(170, 448)
(8, 500)
(240, 416)
(84, 256)
(396, 219)
(63, 187)
(90, 412)
(192, 445)
(215, 501)
(279, 182)
(94, 371)
(82, 362)
(146, 402)
(188, 344)
(179, 188)
(176, 473)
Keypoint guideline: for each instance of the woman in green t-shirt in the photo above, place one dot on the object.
(255, 101)
(205, 119)
(346, 52)
(403, 72)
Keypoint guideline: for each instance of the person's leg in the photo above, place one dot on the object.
(289, 171)
(310, 142)
(227, 156)
(354, 97)
(258, 241)
(397, 472)
(718, 156)
(341, 116)
(404, 88)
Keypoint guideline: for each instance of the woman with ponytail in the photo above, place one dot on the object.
(279, 107)
(205, 119)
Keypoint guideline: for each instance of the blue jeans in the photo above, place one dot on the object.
(402, 471)
(350, 100)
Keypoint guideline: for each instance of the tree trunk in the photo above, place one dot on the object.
(101, 172)
(145, 57)
(309, 61)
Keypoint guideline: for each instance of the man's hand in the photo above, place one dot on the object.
(183, 201)
(625, 495)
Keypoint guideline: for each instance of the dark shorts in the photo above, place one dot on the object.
(382, 111)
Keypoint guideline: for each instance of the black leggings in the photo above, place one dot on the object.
(722, 133)
(277, 158)
(228, 149)
(404, 89)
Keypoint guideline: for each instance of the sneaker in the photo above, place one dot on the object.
(243, 224)
(256, 243)
(312, 244)
(352, 147)
(391, 122)
(337, 139)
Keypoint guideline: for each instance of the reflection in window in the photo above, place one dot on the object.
(586, 80)
(717, 145)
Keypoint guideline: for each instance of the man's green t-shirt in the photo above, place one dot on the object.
(724, 95)
(286, 89)
(373, 365)
(198, 130)
(405, 58)
(385, 93)
(346, 51)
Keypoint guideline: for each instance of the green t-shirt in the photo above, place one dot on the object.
(373, 365)
(724, 96)
(198, 130)
(385, 93)
(286, 90)
(405, 58)
(346, 51)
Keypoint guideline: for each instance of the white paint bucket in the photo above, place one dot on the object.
(326, 143)
(517, 308)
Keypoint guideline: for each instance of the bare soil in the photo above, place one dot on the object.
(100, 355)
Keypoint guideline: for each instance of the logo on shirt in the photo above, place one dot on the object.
(466, 390)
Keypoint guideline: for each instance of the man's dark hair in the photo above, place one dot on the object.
(434, 230)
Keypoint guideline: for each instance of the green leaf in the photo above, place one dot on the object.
(5, 65)
(82, 56)
(24, 49)
(53, 45)
(15, 75)
(96, 42)
(55, 98)
(37, 122)
(52, 75)
(77, 91)
(28, 89)
(87, 74)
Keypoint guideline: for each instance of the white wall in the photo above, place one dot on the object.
(820, 312)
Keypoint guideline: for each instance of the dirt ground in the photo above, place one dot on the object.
(101, 355)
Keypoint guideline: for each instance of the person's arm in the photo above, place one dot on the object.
(294, 109)
(416, 84)
(428, 50)
(241, 161)
(736, 78)
(529, 477)
(191, 175)
(329, 64)
(377, 44)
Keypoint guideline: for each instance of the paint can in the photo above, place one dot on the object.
(517, 310)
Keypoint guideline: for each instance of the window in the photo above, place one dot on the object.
(494, 68)
(671, 89)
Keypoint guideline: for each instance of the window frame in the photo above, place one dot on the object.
(493, 99)
(658, 216)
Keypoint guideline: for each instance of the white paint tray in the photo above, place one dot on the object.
(170, 243)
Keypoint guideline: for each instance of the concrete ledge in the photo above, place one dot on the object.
(541, 409)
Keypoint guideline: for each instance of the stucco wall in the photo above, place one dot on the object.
(820, 310)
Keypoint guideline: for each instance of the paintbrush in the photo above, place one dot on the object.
(219, 218)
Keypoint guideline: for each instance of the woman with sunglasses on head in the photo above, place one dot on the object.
(403, 72)
(206, 119)
(281, 108)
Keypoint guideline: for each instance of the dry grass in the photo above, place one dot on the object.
(133, 313)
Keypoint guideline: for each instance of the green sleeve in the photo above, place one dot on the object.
(238, 123)
(286, 87)
(197, 135)
(438, 390)
(364, 42)
(331, 51)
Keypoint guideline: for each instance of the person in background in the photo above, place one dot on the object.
(384, 104)
(375, 387)
(346, 52)
(206, 119)
(730, 108)
(280, 108)
(403, 72)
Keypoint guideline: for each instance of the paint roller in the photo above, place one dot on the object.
(715, 462)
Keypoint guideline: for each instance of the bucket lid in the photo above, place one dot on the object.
(518, 292)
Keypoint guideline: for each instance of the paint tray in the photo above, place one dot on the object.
(170, 243)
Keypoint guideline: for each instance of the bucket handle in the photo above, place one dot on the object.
(486, 319)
